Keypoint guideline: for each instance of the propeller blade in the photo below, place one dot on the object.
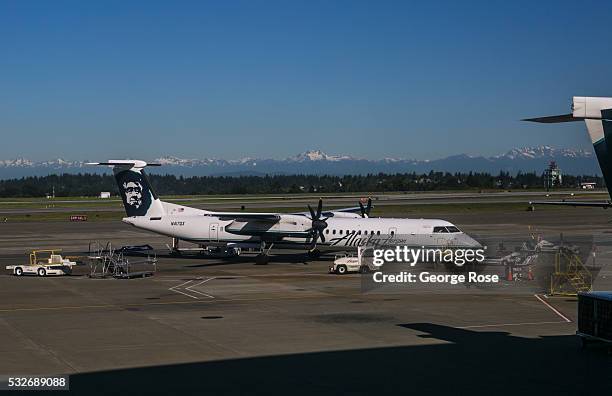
(313, 243)
(312, 213)
(318, 224)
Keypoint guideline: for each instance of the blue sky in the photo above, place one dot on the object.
(111, 79)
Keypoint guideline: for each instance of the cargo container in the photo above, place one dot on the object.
(595, 317)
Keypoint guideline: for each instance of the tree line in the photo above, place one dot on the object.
(92, 184)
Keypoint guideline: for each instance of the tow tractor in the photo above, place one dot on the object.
(44, 263)
(344, 263)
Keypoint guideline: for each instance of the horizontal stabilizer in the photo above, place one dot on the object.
(130, 163)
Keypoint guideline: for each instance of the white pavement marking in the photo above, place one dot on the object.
(510, 324)
(553, 309)
(199, 292)
(190, 280)
(183, 293)
(190, 288)
(174, 289)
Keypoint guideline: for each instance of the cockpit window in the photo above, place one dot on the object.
(453, 229)
(439, 229)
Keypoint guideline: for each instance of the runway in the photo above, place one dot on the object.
(300, 202)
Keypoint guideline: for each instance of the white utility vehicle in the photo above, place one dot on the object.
(346, 263)
(50, 264)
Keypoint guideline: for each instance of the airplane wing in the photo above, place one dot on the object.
(268, 217)
(330, 213)
(273, 217)
(354, 209)
(593, 204)
(363, 211)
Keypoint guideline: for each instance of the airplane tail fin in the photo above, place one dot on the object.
(139, 198)
(597, 114)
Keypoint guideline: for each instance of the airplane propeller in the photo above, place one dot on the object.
(318, 224)
(365, 211)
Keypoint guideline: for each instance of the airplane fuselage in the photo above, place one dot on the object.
(341, 232)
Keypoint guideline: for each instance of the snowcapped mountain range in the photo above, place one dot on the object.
(571, 161)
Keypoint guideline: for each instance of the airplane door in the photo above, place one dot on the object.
(213, 233)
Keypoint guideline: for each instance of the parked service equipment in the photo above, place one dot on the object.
(104, 261)
(595, 317)
(44, 263)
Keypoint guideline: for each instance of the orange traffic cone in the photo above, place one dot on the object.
(509, 269)
(529, 274)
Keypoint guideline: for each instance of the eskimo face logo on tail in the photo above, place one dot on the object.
(135, 192)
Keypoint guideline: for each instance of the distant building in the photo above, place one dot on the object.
(52, 194)
(552, 176)
(105, 195)
(588, 185)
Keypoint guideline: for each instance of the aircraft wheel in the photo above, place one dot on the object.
(262, 259)
(18, 271)
(341, 269)
(314, 253)
(42, 272)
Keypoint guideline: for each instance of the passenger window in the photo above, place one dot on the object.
(340, 232)
(392, 232)
(359, 232)
(327, 231)
(377, 232)
(334, 232)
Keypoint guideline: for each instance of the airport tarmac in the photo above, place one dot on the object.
(229, 326)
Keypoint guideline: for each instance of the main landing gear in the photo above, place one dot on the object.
(314, 254)
(174, 250)
(263, 257)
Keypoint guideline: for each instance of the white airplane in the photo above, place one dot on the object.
(338, 229)
(596, 112)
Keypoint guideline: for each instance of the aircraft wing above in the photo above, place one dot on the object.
(329, 213)
(593, 204)
(272, 217)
